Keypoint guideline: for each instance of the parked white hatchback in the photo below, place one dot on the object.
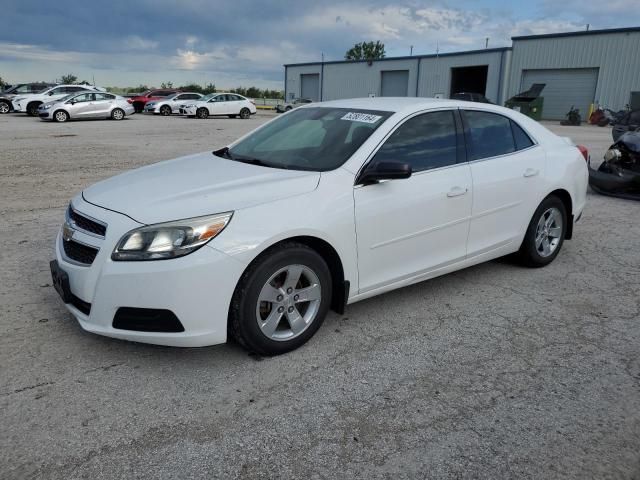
(30, 103)
(323, 206)
(89, 105)
(231, 105)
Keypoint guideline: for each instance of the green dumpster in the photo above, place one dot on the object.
(529, 103)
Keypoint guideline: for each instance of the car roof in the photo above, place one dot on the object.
(395, 104)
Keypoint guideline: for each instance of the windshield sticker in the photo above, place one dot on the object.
(361, 117)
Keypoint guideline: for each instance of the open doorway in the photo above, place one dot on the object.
(469, 79)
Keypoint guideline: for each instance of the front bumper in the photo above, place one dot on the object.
(43, 115)
(196, 288)
(189, 111)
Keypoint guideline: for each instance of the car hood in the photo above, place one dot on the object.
(194, 186)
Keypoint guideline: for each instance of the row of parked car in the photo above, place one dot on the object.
(61, 103)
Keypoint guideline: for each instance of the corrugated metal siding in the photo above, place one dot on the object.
(352, 80)
(435, 73)
(294, 87)
(617, 55)
(395, 83)
(310, 86)
(565, 88)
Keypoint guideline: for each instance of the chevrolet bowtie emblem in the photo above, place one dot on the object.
(67, 232)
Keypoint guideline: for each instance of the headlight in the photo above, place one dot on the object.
(150, 104)
(170, 240)
(46, 106)
(612, 154)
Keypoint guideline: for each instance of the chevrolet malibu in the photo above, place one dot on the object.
(327, 205)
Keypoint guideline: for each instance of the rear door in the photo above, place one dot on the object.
(406, 228)
(507, 169)
(101, 105)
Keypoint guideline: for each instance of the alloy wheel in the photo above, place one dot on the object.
(4, 107)
(61, 116)
(549, 232)
(288, 302)
(117, 114)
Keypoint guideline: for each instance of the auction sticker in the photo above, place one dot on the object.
(361, 117)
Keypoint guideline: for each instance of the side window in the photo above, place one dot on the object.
(82, 98)
(520, 136)
(103, 96)
(193, 96)
(490, 134)
(424, 142)
(75, 89)
(25, 89)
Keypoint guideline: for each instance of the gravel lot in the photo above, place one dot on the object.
(493, 372)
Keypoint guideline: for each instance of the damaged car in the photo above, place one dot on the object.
(619, 174)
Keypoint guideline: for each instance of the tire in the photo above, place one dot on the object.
(245, 113)
(5, 107)
(545, 233)
(165, 110)
(32, 108)
(60, 116)
(263, 326)
(117, 114)
(202, 113)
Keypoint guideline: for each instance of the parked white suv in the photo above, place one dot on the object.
(323, 206)
(30, 103)
(228, 104)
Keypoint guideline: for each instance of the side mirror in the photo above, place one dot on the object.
(384, 171)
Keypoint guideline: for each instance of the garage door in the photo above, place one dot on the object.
(310, 86)
(395, 83)
(565, 87)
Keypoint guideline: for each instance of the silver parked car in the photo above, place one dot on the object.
(298, 102)
(86, 105)
(171, 104)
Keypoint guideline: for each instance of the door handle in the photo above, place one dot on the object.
(457, 191)
(531, 172)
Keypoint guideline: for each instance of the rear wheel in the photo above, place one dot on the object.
(5, 107)
(61, 116)
(32, 108)
(545, 234)
(117, 114)
(202, 113)
(245, 113)
(281, 300)
(165, 110)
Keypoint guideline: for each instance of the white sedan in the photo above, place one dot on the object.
(231, 105)
(321, 207)
(171, 104)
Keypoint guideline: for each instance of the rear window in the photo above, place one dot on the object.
(490, 134)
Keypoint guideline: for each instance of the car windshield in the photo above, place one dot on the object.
(207, 97)
(317, 139)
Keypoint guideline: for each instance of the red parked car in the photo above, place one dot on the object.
(141, 100)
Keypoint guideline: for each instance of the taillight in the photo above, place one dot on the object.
(129, 100)
(584, 152)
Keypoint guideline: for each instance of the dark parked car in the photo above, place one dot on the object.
(629, 123)
(7, 95)
(471, 97)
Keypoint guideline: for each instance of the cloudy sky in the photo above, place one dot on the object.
(245, 42)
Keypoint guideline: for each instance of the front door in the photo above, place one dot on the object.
(409, 227)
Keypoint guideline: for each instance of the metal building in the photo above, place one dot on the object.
(578, 68)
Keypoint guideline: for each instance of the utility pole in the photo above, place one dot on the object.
(411, 51)
(587, 27)
(486, 42)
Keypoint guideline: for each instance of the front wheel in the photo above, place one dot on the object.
(117, 114)
(245, 113)
(202, 113)
(281, 300)
(32, 108)
(61, 116)
(165, 110)
(545, 234)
